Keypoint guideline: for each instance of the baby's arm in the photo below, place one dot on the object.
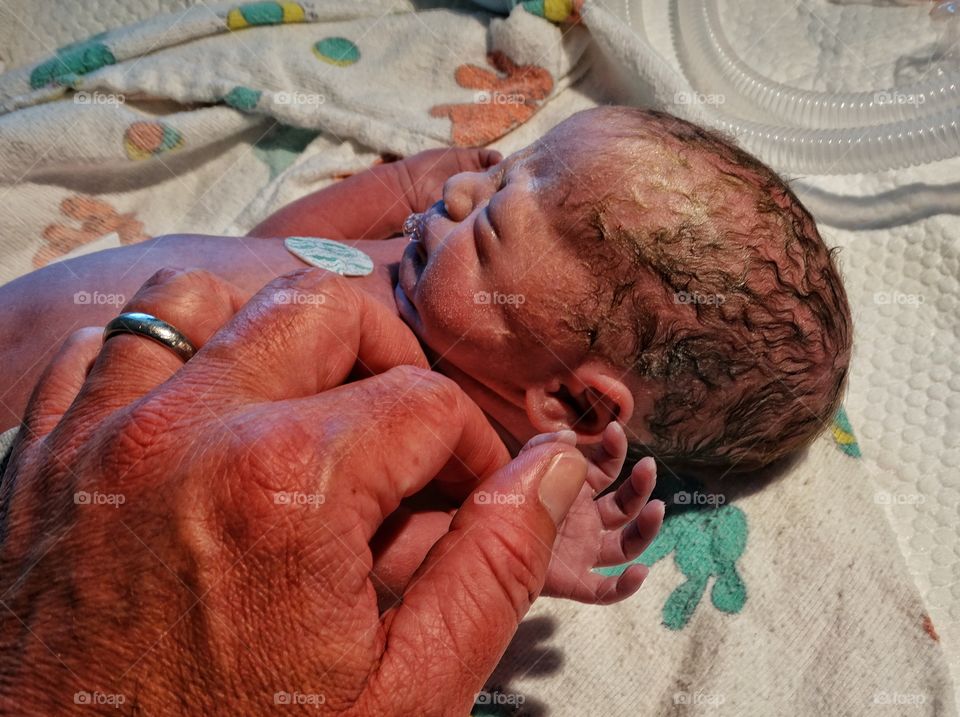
(374, 203)
(38, 311)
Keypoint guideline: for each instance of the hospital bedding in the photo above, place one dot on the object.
(792, 596)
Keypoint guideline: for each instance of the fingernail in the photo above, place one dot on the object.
(561, 483)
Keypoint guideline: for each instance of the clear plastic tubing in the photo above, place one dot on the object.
(851, 150)
(711, 57)
(812, 132)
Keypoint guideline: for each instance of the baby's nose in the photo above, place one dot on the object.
(461, 193)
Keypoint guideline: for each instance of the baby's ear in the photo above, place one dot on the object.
(584, 401)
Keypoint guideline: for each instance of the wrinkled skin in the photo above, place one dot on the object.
(195, 538)
(373, 205)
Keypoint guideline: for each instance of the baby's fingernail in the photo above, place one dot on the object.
(561, 483)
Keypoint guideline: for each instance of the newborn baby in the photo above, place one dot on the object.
(626, 268)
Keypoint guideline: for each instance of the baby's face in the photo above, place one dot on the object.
(487, 279)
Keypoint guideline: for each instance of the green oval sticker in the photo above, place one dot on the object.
(330, 255)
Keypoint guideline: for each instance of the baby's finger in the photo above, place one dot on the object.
(489, 157)
(607, 458)
(628, 544)
(566, 436)
(606, 590)
(617, 508)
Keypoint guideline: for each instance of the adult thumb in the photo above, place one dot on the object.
(464, 603)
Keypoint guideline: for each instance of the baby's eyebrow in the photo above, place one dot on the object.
(518, 157)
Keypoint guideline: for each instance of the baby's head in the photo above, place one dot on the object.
(630, 265)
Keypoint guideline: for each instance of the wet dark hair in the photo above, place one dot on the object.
(732, 302)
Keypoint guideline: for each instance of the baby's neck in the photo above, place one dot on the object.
(508, 417)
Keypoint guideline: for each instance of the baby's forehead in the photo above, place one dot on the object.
(581, 168)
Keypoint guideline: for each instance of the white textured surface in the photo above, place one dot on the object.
(904, 400)
(32, 29)
(904, 394)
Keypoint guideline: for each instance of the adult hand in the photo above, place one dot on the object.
(194, 538)
(597, 532)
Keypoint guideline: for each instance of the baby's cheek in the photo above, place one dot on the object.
(455, 306)
(446, 296)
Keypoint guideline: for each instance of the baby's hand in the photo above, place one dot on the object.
(610, 531)
(422, 175)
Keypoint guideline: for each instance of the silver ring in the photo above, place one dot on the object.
(134, 322)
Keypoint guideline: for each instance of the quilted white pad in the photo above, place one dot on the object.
(903, 282)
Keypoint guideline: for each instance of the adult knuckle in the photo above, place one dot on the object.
(271, 454)
(163, 275)
(417, 389)
(176, 288)
(142, 431)
(513, 565)
(291, 304)
(202, 281)
(428, 384)
(308, 289)
(276, 474)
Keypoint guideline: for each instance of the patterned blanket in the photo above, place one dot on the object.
(785, 594)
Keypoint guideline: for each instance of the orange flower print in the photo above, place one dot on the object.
(504, 99)
(96, 218)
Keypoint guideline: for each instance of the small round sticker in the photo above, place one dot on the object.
(330, 255)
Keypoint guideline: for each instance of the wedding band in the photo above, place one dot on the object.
(134, 322)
